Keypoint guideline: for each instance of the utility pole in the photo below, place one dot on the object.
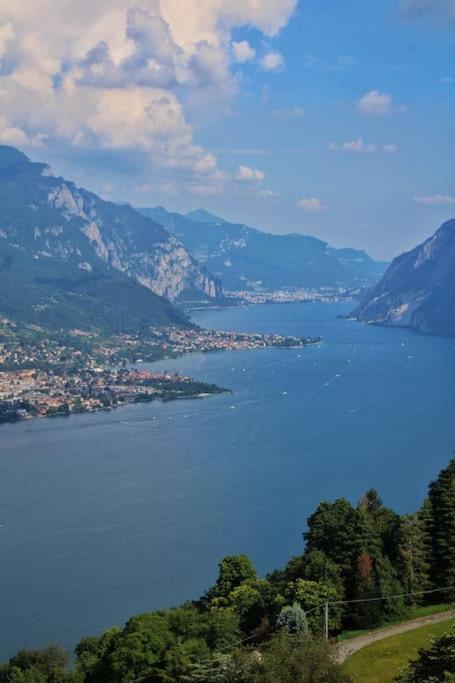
(326, 620)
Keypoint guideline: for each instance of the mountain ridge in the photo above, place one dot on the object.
(66, 253)
(246, 258)
(418, 289)
(117, 234)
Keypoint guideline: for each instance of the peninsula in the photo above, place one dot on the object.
(45, 374)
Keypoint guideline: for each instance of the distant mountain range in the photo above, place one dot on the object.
(68, 258)
(418, 289)
(244, 258)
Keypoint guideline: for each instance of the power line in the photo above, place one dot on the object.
(390, 597)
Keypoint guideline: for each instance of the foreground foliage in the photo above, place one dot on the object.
(247, 629)
(436, 663)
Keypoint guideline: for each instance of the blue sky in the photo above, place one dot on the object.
(330, 119)
(369, 196)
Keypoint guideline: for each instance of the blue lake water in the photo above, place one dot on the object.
(109, 514)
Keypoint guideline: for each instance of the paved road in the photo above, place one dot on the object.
(348, 647)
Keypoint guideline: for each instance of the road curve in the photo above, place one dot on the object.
(348, 647)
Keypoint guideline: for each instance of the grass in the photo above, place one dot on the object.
(382, 661)
(413, 613)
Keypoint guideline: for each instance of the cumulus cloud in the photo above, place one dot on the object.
(441, 10)
(114, 74)
(310, 204)
(243, 52)
(359, 146)
(377, 103)
(249, 175)
(6, 35)
(272, 61)
(435, 199)
(291, 112)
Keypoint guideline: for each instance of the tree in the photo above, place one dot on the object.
(182, 658)
(233, 571)
(47, 665)
(435, 664)
(367, 612)
(371, 502)
(290, 658)
(253, 601)
(292, 619)
(140, 649)
(223, 628)
(441, 521)
(312, 596)
(220, 668)
(412, 565)
(92, 655)
(332, 529)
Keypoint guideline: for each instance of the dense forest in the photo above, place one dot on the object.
(247, 629)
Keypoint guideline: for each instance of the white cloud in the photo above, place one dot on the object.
(359, 146)
(12, 135)
(291, 112)
(377, 103)
(6, 35)
(310, 204)
(247, 174)
(272, 61)
(436, 199)
(115, 74)
(243, 52)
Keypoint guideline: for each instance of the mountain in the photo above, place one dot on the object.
(247, 259)
(63, 250)
(418, 289)
(203, 216)
(82, 222)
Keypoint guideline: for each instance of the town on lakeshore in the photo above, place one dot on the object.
(43, 375)
(292, 295)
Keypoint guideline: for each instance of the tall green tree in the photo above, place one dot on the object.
(233, 571)
(333, 530)
(441, 496)
(412, 565)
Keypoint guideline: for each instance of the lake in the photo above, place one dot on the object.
(109, 514)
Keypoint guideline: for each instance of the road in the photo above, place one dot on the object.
(348, 647)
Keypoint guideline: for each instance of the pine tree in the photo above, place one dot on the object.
(442, 526)
(412, 565)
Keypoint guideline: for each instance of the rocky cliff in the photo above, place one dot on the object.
(418, 289)
(51, 217)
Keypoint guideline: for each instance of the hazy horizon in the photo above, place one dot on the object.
(284, 115)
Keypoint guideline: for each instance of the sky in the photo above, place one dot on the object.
(312, 116)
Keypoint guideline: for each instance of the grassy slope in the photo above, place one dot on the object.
(382, 661)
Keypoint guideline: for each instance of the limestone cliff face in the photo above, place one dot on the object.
(418, 289)
(53, 218)
(139, 248)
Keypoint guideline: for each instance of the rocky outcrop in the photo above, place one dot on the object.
(51, 217)
(418, 289)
